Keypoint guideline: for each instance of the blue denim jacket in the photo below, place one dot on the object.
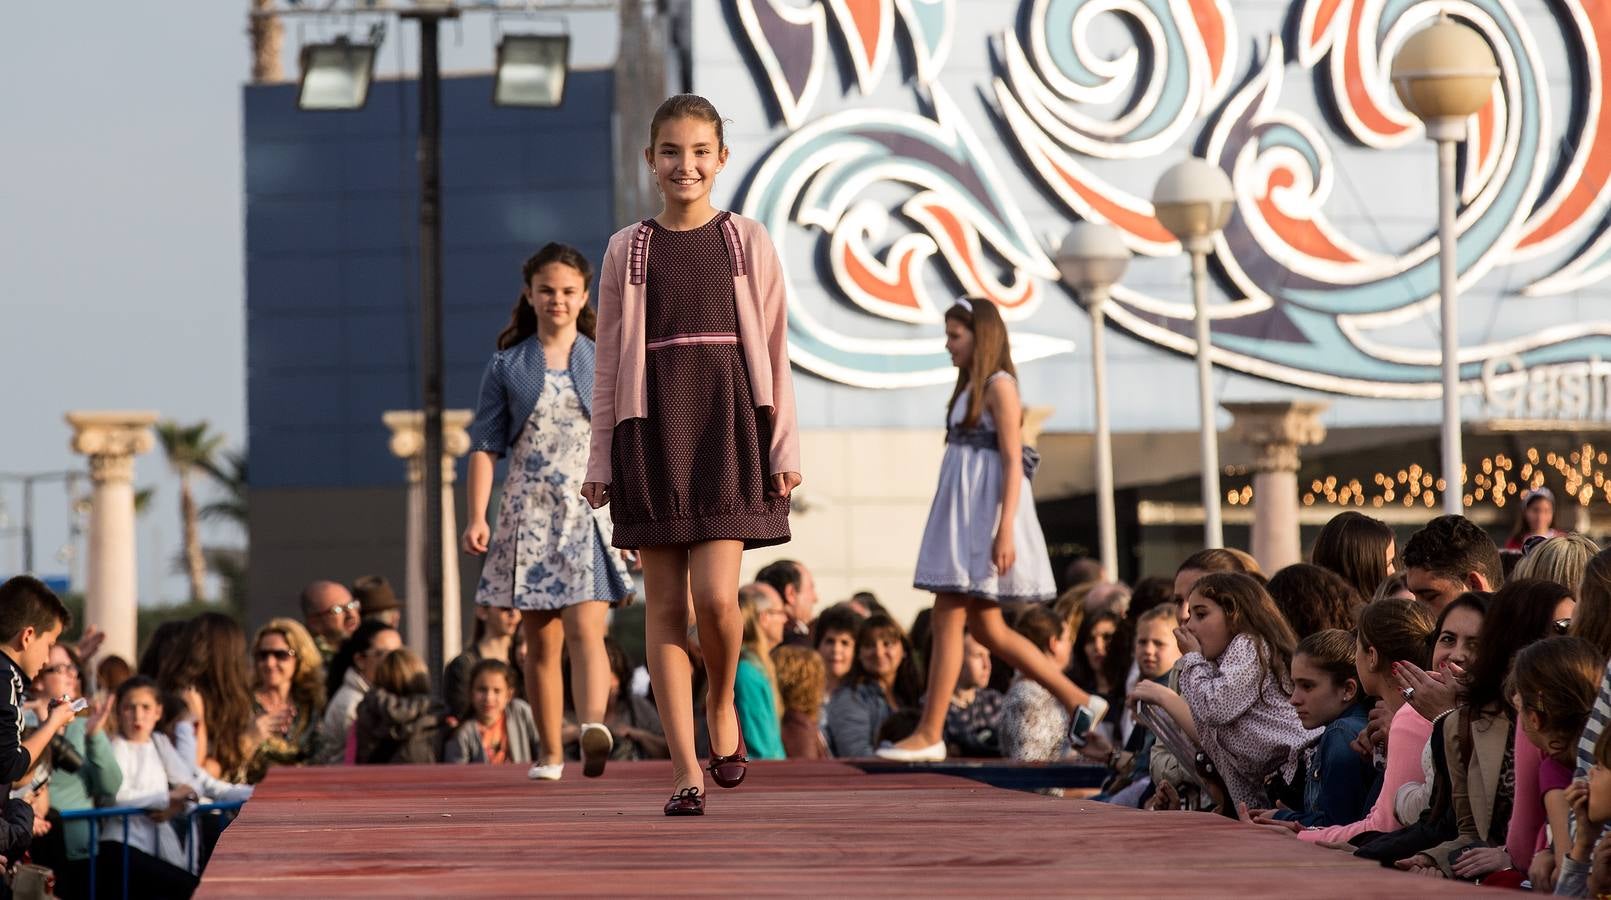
(511, 385)
(1337, 781)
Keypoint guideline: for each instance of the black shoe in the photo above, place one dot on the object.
(686, 802)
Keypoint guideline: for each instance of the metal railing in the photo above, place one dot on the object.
(95, 815)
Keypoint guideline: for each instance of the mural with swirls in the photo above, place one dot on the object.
(1305, 299)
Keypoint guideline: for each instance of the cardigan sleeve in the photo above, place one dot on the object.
(1407, 735)
(774, 294)
(607, 346)
(490, 429)
(1220, 691)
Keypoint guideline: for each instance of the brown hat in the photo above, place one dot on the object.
(374, 594)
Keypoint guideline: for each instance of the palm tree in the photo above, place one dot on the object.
(231, 476)
(190, 447)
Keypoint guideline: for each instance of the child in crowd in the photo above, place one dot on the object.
(347, 680)
(1590, 802)
(1326, 694)
(32, 619)
(982, 545)
(499, 728)
(973, 723)
(1389, 632)
(801, 672)
(1034, 726)
(398, 720)
(1234, 679)
(1156, 653)
(1555, 683)
(161, 778)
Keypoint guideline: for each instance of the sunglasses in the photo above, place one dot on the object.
(279, 654)
(1562, 626)
(341, 609)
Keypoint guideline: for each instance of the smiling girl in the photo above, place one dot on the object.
(694, 440)
(549, 556)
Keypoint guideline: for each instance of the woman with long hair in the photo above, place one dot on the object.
(755, 686)
(883, 679)
(549, 556)
(208, 670)
(1357, 547)
(351, 672)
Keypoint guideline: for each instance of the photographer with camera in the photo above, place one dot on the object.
(79, 769)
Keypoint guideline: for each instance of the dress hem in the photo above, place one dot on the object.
(975, 593)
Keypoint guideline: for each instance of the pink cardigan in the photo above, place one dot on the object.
(619, 390)
(1407, 735)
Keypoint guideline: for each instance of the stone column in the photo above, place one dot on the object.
(408, 443)
(1276, 430)
(112, 440)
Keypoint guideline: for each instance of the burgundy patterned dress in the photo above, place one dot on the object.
(696, 468)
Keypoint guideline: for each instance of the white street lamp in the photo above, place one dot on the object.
(1091, 259)
(1444, 74)
(1194, 200)
(531, 70)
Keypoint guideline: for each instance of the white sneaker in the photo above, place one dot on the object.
(931, 753)
(549, 772)
(596, 746)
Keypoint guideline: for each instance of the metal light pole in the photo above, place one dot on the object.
(1194, 201)
(1092, 257)
(1444, 74)
(430, 160)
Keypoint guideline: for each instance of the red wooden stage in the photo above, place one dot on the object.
(821, 829)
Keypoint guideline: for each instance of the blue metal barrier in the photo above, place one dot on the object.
(96, 814)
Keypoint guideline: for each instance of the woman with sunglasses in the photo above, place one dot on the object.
(287, 695)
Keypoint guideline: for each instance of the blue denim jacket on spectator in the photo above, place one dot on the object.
(511, 385)
(854, 716)
(1337, 780)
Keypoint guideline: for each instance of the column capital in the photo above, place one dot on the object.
(112, 440)
(408, 438)
(1276, 429)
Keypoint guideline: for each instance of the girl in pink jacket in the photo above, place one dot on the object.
(694, 442)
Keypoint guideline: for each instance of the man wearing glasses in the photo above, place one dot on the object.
(331, 615)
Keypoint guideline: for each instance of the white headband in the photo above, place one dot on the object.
(965, 303)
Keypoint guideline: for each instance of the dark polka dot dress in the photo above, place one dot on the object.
(696, 468)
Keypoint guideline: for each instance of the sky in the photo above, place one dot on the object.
(121, 240)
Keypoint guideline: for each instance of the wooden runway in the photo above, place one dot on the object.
(816, 829)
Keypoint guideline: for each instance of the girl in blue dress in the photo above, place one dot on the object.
(983, 544)
(549, 555)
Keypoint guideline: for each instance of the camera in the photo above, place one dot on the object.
(65, 756)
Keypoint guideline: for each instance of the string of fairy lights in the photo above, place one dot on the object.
(1495, 480)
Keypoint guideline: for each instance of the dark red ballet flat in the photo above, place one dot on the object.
(729, 771)
(686, 802)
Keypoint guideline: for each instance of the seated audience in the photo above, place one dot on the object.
(800, 674)
(973, 723)
(377, 602)
(1326, 695)
(883, 679)
(498, 728)
(834, 637)
(1034, 725)
(497, 636)
(398, 719)
(347, 679)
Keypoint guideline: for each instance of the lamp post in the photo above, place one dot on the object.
(1444, 74)
(530, 72)
(1091, 258)
(1194, 200)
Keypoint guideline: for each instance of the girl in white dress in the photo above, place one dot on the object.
(983, 543)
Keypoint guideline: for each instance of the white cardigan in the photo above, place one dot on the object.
(149, 769)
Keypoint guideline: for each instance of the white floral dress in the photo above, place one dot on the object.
(549, 549)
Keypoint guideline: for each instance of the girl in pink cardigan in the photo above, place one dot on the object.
(694, 444)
